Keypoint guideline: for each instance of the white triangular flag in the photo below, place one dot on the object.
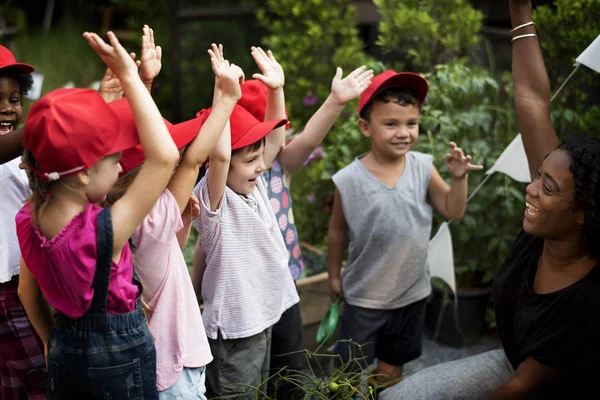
(36, 90)
(95, 85)
(69, 85)
(591, 56)
(440, 257)
(513, 162)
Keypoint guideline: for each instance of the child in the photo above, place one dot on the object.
(21, 349)
(286, 341)
(383, 203)
(77, 256)
(175, 320)
(247, 285)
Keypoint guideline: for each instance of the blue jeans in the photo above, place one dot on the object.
(87, 362)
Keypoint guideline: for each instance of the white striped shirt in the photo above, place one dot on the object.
(247, 284)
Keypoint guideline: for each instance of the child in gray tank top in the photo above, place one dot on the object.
(383, 205)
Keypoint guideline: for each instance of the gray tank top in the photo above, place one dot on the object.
(389, 231)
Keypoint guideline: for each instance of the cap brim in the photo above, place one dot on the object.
(183, 133)
(20, 68)
(257, 132)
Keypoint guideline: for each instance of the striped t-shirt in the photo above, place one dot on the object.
(247, 284)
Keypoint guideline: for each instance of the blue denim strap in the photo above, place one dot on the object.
(104, 252)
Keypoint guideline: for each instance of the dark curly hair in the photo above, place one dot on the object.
(584, 153)
(25, 80)
(398, 94)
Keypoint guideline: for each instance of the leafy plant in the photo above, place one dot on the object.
(427, 32)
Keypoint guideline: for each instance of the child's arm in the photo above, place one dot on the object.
(11, 145)
(161, 154)
(220, 156)
(337, 238)
(110, 87)
(198, 268)
(532, 90)
(344, 90)
(273, 77)
(191, 212)
(183, 181)
(37, 308)
(451, 201)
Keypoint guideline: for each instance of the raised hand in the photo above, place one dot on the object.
(114, 55)
(349, 88)
(272, 73)
(458, 164)
(151, 56)
(110, 87)
(219, 64)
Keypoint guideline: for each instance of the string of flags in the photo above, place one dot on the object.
(512, 162)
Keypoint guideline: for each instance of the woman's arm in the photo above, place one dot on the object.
(528, 379)
(532, 89)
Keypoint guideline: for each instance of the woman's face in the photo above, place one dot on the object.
(548, 213)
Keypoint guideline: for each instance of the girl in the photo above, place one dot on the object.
(76, 255)
(21, 350)
(175, 320)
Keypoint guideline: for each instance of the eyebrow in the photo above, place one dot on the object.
(548, 176)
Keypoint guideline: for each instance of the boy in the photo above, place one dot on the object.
(20, 347)
(247, 284)
(383, 204)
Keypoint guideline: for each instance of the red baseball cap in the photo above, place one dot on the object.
(70, 130)
(245, 129)
(254, 99)
(8, 60)
(392, 78)
(182, 134)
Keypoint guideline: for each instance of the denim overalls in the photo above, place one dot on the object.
(102, 356)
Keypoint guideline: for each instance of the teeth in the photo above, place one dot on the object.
(5, 123)
(531, 206)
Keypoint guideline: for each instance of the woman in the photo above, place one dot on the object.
(547, 294)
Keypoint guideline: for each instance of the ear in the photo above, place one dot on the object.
(83, 177)
(580, 217)
(364, 126)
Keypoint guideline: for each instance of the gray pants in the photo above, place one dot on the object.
(470, 378)
(237, 364)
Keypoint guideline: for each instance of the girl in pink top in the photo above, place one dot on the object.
(76, 255)
(175, 321)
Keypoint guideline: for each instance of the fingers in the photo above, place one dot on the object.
(159, 52)
(357, 71)
(261, 59)
(338, 74)
(152, 37)
(113, 40)
(261, 78)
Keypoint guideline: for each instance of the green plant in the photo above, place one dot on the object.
(428, 32)
(320, 381)
(566, 28)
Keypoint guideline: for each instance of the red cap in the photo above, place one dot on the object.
(254, 99)
(70, 130)
(182, 134)
(8, 60)
(245, 129)
(391, 78)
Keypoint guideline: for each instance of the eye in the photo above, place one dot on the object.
(412, 123)
(250, 161)
(15, 100)
(390, 124)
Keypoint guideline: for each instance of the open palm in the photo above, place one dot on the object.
(458, 164)
(272, 73)
(151, 56)
(352, 86)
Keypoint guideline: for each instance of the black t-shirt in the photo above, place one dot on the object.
(559, 329)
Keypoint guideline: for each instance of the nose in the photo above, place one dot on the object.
(120, 168)
(533, 189)
(6, 107)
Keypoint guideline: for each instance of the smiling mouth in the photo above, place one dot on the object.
(531, 209)
(6, 127)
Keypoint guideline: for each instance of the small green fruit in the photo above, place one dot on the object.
(333, 387)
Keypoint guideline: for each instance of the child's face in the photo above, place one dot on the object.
(393, 128)
(11, 109)
(246, 167)
(101, 177)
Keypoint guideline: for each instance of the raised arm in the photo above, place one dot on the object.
(160, 153)
(273, 77)
(344, 90)
(532, 89)
(183, 181)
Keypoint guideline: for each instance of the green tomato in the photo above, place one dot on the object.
(333, 387)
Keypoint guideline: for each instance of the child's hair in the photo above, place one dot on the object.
(40, 188)
(251, 147)
(25, 80)
(401, 95)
